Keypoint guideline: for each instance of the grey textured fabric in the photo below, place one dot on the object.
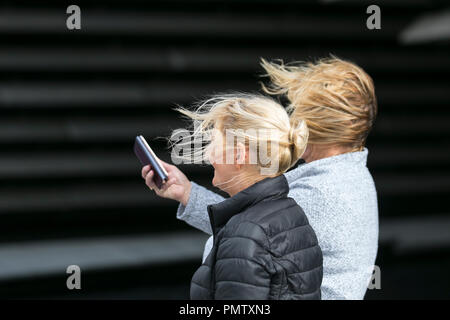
(339, 198)
(264, 248)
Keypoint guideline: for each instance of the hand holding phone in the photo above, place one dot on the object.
(146, 156)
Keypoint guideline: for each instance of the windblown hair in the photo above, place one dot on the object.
(336, 98)
(238, 114)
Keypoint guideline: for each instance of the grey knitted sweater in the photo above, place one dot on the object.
(339, 198)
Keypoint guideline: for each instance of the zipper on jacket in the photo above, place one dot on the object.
(214, 251)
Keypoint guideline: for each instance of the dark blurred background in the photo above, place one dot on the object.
(71, 103)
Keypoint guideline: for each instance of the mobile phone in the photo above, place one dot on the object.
(146, 155)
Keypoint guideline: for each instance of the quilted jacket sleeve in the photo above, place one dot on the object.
(243, 264)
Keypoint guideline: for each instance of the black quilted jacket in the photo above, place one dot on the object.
(264, 248)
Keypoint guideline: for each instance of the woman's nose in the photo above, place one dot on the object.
(209, 157)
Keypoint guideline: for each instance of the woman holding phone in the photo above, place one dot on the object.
(337, 100)
(264, 247)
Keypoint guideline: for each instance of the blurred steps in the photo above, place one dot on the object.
(44, 258)
(195, 59)
(192, 24)
(120, 163)
(145, 94)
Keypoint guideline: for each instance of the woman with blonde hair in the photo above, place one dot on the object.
(264, 247)
(336, 99)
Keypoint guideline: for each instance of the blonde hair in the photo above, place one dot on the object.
(240, 113)
(336, 98)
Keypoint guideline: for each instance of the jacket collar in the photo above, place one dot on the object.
(269, 188)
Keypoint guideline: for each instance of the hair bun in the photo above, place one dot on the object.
(298, 137)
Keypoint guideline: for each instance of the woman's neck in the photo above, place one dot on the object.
(248, 179)
(316, 152)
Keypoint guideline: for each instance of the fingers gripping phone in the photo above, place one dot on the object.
(147, 157)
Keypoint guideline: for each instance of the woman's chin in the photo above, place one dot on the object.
(217, 184)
